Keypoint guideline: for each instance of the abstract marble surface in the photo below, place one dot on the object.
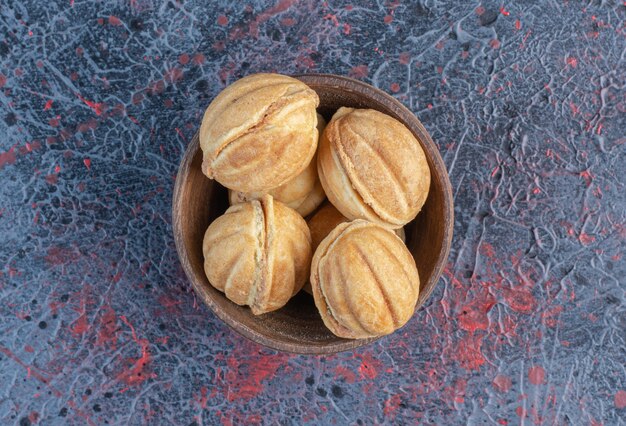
(525, 101)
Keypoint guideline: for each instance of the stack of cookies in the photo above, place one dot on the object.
(263, 139)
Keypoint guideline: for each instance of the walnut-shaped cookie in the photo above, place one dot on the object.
(258, 254)
(304, 193)
(364, 279)
(325, 219)
(372, 167)
(259, 132)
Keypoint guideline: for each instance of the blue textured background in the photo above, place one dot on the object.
(526, 103)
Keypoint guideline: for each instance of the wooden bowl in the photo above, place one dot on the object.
(297, 327)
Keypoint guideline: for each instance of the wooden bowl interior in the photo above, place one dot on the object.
(297, 327)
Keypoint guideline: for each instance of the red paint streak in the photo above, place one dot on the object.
(33, 417)
(163, 340)
(502, 383)
(479, 10)
(61, 255)
(550, 316)
(107, 331)
(254, 419)
(280, 7)
(572, 62)
(405, 58)
(488, 250)
(90, 124)
(98, 108)
(198, 58)
(3, 80)
(347, 28)
(474, 314)
(587, 176)
(137, 98)
(28, 147)
(504, 11)
(573, 108)
(520, 411)
(183, 59)
(518, 24)
(586, 239)
(81, 325)
(457, 393)
(170, 305)
(519, 299)
(87, 163)
(180, 133)
(620, 399)
(369, 366)
(332, 18)
(173, 75)
(348, 375)
(226, 420)
(132, 329)
(468, 352)
(48, 105)
(388, 19)
(222, 20)
(536, 375)
(391, 405)
(31, 371)
(7, 157)
(495, 44)
(135, 374)
(359, 71)
(203, 399)
(245, 377)
(395, 87)
(29, 349)
(523, 43)
(305, 61)
(115, 21)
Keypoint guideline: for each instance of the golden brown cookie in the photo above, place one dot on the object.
(364, 279)
(258, 253)
(372, 167)
(259, 132)
(304, 193)
(322, 222)
(325, 220)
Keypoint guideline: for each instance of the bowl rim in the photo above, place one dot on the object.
(406, 117)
